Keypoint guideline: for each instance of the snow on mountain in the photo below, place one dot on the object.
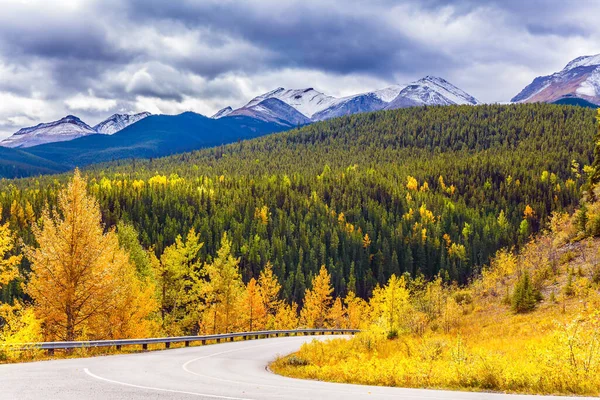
(67, 128)
(360, 103)
(318, 106)
(222, 113)
(307, 101)
(580, 78)
(431, 91)
(273, 110)
(117, 122)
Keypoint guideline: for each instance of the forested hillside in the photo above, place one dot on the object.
(422, 190)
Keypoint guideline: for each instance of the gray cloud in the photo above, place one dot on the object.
(96, 57)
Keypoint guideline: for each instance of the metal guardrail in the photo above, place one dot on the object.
(51, 346)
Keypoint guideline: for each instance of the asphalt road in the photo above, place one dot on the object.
(234, 371)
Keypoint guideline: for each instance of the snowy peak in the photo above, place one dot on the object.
(273, 110)
(430, 91)
(306, 101)
(67, 128)
(579, 79)
(316, 106)
(117, 122)
(223, 112)
(583, 61)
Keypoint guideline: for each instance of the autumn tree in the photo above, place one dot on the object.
(177, 283)
(286, 316)
(254, 314)
(317, 301)
(77, 269)
(8, 262)
(269, 289)
(336, 316)
(390, 305)
(222, 291)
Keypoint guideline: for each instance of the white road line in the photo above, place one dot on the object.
(366, 393)
(212, 396)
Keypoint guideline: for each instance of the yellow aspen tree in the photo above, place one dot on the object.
(336, 317)
(356, 310)
(286, 316)
(269, 289)
(75, 268)
(223, 290)
(8, 263)
(390, 306)
(317, 301)
(253, 310)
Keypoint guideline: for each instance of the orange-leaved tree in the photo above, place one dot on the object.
(79, 273)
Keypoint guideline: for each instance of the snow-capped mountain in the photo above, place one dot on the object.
(317, 106)
(306, 101)
(580, 78)
(67, 128)
(273, 110)
(431, 91)
(223, 112)
(117, 122)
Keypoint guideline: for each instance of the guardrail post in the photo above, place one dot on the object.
(203, 342)
(167, 345)
(118, 347)
(187, 343)
(50, 352)
(145, 346)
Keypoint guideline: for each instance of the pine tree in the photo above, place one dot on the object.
(523, 298)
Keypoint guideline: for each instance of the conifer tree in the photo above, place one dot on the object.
(523, 298)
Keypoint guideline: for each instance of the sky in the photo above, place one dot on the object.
(93, 58)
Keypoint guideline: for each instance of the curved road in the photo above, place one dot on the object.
(231, 371)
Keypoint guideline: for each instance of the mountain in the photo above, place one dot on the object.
(351, 105)
(317, 106)
(223, 112)
(273, 110)
(580, 78)
(118, 122)
(306, 101)
(69, 128)
(15, 163)
(430, 91)
(156, 136)
(65, 129)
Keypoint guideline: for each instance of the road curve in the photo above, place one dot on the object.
(230, 371)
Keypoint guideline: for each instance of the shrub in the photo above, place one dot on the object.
(524, 296)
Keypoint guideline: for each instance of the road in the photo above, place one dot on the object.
(231, 371)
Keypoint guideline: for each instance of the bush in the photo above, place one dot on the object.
(524, 297)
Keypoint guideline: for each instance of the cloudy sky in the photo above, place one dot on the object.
(93, 58)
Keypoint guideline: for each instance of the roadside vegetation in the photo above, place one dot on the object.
(527, 323)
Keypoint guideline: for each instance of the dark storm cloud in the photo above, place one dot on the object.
(338, 37)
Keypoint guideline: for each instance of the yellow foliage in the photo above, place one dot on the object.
(19, 326)
(317, 301)
(412, 183)
(79, 274)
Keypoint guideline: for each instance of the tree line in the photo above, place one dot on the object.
(425, 191)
